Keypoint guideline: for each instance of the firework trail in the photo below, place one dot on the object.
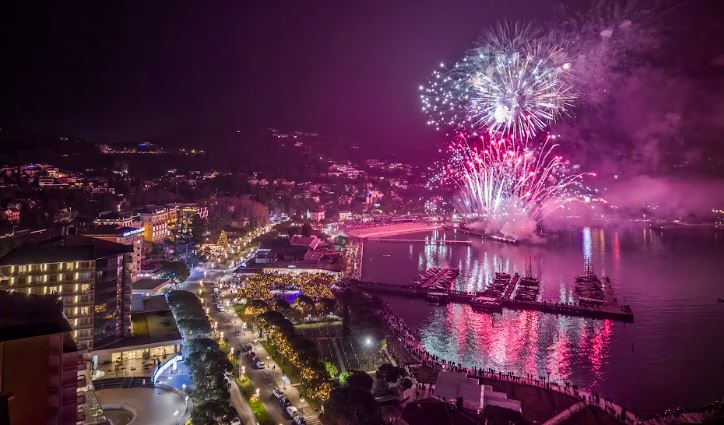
(504, 187)
(514, 83)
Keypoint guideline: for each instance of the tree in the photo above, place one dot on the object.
(331, 370)
(223, 240)
(198, 229)
(304, 304)
(176, 270)
(307, 229)
(211, 412)
(360, 379)
(255, 307)
(352, 405)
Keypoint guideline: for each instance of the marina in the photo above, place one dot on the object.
(577, 344)
(435, 285)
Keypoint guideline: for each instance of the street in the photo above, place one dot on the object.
(265, 380)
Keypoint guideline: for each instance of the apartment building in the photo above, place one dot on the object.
(42, 372)
(86, 274)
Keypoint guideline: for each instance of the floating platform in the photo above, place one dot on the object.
(479, 302)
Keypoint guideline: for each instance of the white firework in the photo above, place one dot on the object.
(514, 83)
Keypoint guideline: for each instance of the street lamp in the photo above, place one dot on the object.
(368, 344)
(301, 400)
(284, 381)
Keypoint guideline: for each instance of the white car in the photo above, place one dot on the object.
(292, 411)
(299, 420)
(236, 421)
(259, 364)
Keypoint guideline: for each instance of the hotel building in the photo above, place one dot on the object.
(87, 275)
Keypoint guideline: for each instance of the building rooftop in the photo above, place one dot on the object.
(149, 327)
(70, 248)
(433, 411)
(25, 316)
(154, 303)
(150, 284)
(109, 230)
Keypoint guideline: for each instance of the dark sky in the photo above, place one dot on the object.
(118, 71)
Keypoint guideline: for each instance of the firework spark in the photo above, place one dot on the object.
(504, 186)
(515, 83)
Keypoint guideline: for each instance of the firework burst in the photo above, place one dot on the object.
(514, 83)
(504, 186)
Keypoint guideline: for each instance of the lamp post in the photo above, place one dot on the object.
(368, 344)
(284, 381)
(301, 400)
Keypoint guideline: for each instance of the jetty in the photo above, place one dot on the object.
(424, 241)
(484, 235)
(435, 285)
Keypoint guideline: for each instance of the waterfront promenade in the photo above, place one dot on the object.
(417, 351)
(392, 230)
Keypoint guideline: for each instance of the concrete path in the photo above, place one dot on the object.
(240, 404)
(338, 354)
(564, 415)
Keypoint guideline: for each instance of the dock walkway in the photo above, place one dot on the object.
(611, 311)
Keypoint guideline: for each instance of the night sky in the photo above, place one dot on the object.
(120, 71)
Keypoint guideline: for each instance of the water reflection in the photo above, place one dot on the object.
(650, 270)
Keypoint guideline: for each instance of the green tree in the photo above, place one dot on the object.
(331, 370)
(307, 229)
(211, 412)
(360, 378)
(176, 270)
(352, 405)
(198, 229)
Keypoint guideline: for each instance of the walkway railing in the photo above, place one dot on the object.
(418, 351)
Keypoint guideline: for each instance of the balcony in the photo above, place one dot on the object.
(72, 399)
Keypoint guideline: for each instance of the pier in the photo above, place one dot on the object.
(478, 300)
(424, 241)
(497, 238)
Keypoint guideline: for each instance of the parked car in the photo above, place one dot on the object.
(236, 421)
(299, 420)
(277, 393)
(292, 411)
(284, 402)
(259, 364)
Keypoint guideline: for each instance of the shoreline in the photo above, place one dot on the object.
(414, 348)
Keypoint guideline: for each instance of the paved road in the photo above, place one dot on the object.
(265, 380)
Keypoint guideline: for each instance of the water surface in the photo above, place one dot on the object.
(672, 355)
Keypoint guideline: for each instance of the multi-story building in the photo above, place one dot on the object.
(112, 218)
(185, 214)
(130, 236)
(42, 373)
(158, 223)
(86, 274)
